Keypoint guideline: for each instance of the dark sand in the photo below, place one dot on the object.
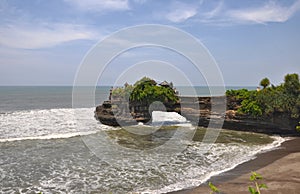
(280, 169)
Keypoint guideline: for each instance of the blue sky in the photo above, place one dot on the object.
(43, 42)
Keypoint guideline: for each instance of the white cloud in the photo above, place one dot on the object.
(270, 12)
(100, 5)
(215, 11)
(221, 14)
(181, 12)
(34, 36)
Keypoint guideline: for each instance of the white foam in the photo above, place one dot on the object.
(51, 136)
(48, 124)
(159, 116)
(64, 123)
(241, 155)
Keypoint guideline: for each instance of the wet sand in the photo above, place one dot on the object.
(280, 169)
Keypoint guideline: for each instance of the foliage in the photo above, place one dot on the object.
(248, 101)
(146, 90)
(240, 94)
(255, 178)
(213, 188)
(265, 82)
(284, 98)
(145, 80)
(292, 84)
(122, 92)
(251, 107)
(298, 127)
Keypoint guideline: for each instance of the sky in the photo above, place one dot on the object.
(44, 42)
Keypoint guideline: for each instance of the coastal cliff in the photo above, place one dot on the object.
(272, 110)
(116, 113)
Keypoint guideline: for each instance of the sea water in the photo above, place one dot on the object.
(42, 148)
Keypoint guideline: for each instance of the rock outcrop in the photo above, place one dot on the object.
(119, 113)
(116, 113)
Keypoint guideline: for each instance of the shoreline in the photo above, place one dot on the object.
(237, 180)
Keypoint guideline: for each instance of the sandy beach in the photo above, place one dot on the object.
(280, 169)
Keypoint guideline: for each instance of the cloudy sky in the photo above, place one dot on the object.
(44, 42)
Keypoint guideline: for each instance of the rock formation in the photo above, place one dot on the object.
(116, 113)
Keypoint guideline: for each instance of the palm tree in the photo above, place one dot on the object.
(265, 82)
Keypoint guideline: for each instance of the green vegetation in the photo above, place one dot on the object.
(247, 99)
(213, 188)
(298, 127)
(265, 82)
(255, 178)
(147, 91)
(122, 92)
(284, 98)
(292, 84)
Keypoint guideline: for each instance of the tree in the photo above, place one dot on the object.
(147, 91)
(265, 82)
(282, 99)
(145, 80)
(291, 84)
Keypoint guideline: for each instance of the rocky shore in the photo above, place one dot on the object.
(118, 112)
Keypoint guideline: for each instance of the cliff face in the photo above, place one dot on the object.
(120, 113)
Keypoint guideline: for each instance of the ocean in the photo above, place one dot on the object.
(44, 149)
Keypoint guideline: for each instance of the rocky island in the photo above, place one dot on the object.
(272, 110)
